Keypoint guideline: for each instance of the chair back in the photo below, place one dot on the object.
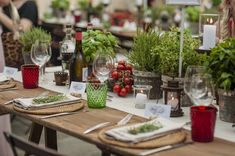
(28, 147)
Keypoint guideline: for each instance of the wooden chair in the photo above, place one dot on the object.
(28, 147)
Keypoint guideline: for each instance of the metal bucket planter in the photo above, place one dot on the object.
(227, 105)
(149, 78)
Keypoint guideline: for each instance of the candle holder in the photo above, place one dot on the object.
(172, 93)
(209, 30)
(141, 94)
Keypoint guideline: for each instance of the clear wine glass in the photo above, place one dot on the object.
(190, 71)
(201, 90)
(102, 66)
(40, 54)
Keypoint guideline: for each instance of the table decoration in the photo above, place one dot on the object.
(209, 27)
(141, 94)
(146, 61)
(61, 78)
(220, 65)
(30, 76)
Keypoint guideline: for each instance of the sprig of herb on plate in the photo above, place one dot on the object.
(48, 99)
(148, 127)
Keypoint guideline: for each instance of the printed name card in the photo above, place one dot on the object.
(77, 87)
(156, 110)
(10, 71)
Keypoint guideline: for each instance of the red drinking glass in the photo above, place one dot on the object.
(30, 75)
(203, 123)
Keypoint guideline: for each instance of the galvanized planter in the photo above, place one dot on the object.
(149, 78)
(227, 105)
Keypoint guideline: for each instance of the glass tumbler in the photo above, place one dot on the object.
(203, 123)
(96, 95)
(30, 75)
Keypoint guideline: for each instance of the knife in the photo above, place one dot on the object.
(164, 148)
(101, 125)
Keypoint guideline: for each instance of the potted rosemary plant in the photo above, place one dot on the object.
(146, 61)
(221, 65)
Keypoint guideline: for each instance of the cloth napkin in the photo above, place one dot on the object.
(121, 133)
(26, 103)
(3, 78)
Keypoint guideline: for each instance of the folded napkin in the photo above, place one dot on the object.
(27, 103)
(3, 79)
(122, 133)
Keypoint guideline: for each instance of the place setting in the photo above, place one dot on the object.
(7, 83)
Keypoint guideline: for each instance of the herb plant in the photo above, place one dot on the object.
(169, 48)
(143, 54)
(221, 64)
(48, 99)
(148, 127)
(98, 41)
(28, 38)
(60, 4)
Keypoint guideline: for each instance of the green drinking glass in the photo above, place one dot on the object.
(96, 95)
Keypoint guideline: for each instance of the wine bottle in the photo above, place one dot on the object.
(89, 11)
(78, 67)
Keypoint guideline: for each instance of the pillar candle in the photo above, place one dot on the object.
(139, 2)
(140, 100)
(209, 36)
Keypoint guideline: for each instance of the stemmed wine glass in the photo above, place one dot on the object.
(201, 90)
(40, 54)
(102, 66)
(190, 72)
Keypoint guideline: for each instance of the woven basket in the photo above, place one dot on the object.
(149, 78)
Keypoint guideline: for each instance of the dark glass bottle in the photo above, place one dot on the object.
(89, 11)
(78, 67)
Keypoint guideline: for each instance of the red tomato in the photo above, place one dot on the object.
(115, 75)
(129, 67)
(123, 92)
(120, 67)
(127, 81)
(128, 88)
(121, 62)
(116, 88)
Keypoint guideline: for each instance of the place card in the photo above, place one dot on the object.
(10, 71)
(157, 110)
(77, 87)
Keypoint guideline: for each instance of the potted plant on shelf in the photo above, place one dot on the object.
(60, 7)
(146, 62)
(221, 65)
(193, 14)
(28, 38)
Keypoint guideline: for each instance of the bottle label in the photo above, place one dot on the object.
(78, 36)
(84, 74)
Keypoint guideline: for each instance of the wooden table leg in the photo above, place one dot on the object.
(35, 134)
(50, 138)
(105, 153)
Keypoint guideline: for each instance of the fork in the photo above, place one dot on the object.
(123, 121)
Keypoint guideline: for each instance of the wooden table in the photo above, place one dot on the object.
(75, 124)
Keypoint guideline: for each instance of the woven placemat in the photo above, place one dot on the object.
(169, 139)
(7, 84)
(54, 110)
